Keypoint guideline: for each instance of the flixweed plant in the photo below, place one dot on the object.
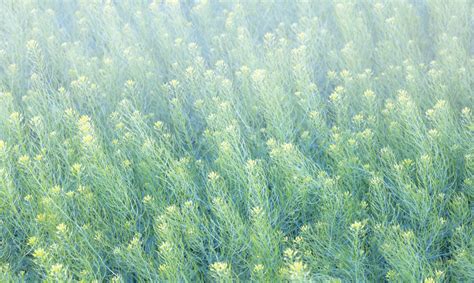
(236, 141)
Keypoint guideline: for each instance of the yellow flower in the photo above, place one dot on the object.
(147, 199)
(430, 113)
(256, 211)
(130, 83)
(213, 176)
(163, 268)
(466, 111)
(298, 240)
(408, 235)
(304, 228)
(258, 267)
(358, 118)
(190, 71)
(165, 247)
(174, 83)
(32, 241)
(76, 168)
(251, 164)
(158, 125)
(56, 268)
(259, 75)
(39, 253)
(369, 94)
(351, 142)
(425, 158)
(88, 139)
(433, 133)
(345, 74)
(24, 160)
(126, 163)
(298, 269)
(314, 115)
(367, 134)
(220, 268)
(15, 117)
(331, 75)
(56, 189)
(98, 236)
(334, 97)
(407, 162)
(61, 228)
(301, 36)
(13, 68)
(391, 275)
(245, 70)
(440, 104)
(225, 147)
(31, 45)
(171, 209)
(41, 217)
(287, 147)
(357, 226)
(134, 243)
(119, 126)
(376, 181)
(84, 124)
(289, 253)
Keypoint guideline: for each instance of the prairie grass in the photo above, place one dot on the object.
(236, 141)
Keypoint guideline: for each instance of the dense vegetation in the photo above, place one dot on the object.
(327, 141)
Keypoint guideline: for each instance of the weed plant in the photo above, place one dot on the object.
(236, 141)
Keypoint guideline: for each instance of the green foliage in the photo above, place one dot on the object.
(228, 141)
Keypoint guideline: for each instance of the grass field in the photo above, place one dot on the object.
(236, 141)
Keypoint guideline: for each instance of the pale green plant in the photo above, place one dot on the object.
(228, 141)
